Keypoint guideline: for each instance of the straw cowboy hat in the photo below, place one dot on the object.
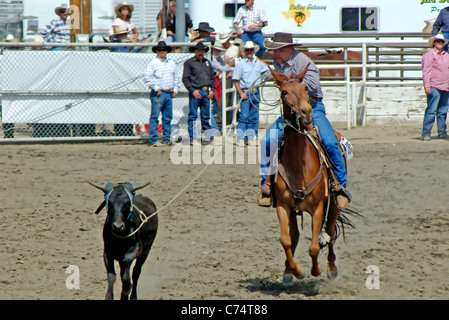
(63, 6)
(120, 30)
(224, 36)
(219, 46)
(437, 37)
(10, 38)
(199, 46)
(249, 45)
(204, 26)
(123, 4)
(162, 45)
(280, 40)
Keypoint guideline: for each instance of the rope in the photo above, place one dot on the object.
(142, 215)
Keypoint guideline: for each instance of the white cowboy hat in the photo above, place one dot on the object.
(219, 46)
(120, 30)
(224, 36)
(63, 6)
(10, 38)
(123, 4)
(249, 45)
(437, 37)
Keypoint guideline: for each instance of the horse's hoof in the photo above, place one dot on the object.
(287, 279)
(316, 272)
(332, 274)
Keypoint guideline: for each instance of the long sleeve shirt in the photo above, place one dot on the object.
(442, 22)
(198, 74)
(435, 69)
(57, 31)
(295, 65)
(162, 74)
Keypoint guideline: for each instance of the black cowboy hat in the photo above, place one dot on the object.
(162, 45)
(204, 26)
(199, 46)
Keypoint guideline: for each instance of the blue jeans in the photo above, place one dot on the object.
(248, 125)
(269, 144)
(204, 104)
(257, 38)
(437, 104)
(162, 104)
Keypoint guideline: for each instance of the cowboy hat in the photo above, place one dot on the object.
(120, 30)
(204, 26)
(249, 45)
(10, 38)
(224, 36)
(199, 46)
(280, 40)
(123, 4)
(437, 37)
(219, 46)
(162, 45)
(63, 6)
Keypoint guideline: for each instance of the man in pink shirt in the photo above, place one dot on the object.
(435, 69)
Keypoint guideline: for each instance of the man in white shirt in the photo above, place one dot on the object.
(161, 76)
(253, 19)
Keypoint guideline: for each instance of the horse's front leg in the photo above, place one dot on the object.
(332, 271)
(314, 248)
(291, 267)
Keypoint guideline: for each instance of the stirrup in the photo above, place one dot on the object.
(268, 200)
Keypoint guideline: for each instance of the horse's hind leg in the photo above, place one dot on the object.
(289, 243)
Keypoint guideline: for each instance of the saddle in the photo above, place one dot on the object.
(325, 162)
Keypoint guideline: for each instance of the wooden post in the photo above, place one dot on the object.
(86, 21)
(75, 3)
(83, 13)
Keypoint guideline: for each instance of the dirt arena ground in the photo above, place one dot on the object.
(214, 242)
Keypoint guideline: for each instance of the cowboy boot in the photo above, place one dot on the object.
(264, 199)
(343, 195)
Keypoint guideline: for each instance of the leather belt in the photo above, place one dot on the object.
(312, 101)
(167, 91)
(205, 88)
(252, 90)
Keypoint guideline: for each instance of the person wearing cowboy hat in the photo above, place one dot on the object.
(290, 61)
(204, 31)
(253, 19)
(435, 70)
(170, 24)
(161, 76)
(58, 30)
(123, 13)
(231, 51)
(247, 78)
(199, 79)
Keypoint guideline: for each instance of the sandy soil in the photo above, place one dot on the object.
(213, 241)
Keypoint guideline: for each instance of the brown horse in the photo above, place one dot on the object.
(302, 181)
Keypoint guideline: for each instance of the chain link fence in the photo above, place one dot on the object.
(81, 93)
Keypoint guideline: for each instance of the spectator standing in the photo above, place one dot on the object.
(435, 69)
(442, 24)
(253, 19)
(124, 13)
(199, 79)
(161, 76)
(58, 30)
(290, 61)
(247, 78)
(170, 24)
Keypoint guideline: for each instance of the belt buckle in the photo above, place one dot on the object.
(204, 88)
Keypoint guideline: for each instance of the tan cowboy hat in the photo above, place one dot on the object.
(63, 6)
(224, 36)
(123, 4)
(219, 46)
(280, 40)
(437, 37)
(248, 45)
(120, 30)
